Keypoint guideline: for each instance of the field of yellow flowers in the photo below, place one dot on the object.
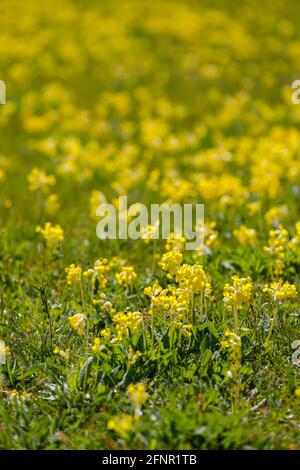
(140, 344)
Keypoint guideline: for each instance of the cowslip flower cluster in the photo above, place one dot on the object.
(78, 322)
(171, 301)
(52, 204)
(65, 354)
(133, 356)
(53, 234)
(184, 327)
(280, 290)
(74, 273)
(126, 276)
(295, 241)
(148, 233)
(37, 179)
(96, 199)
(101, 266)
(237, 294)
(194, 278)
(122, 424)
(125, 322)
(175, 242)
(276, 248)
(137, 394)
(97, 346)
(233, 343)
(275, 215)
(245, 236)
(171, 261)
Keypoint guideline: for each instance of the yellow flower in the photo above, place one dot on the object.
(52, 204)
(101, 266)
(297, 392)
(175, 242)
(53, 234)
(245, 236)
(65, 354)
(295, 241)
(238, 293)
(277, 248)
(96, 199)
(233, 344)
(77, 322)
(281, 290)
(133, 355)
(8, 203)
(171, 261)
(106, 333)
(122, 424)
(97, 346)
(125, 322)
(253, 208)
(74, 273)
(38, 179)
(148, 233)
(137, 394)
(276, 214)
(194, 279)
(126, 276)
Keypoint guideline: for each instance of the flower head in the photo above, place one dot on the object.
(77, 322)
(53, 234)
(74, 273)
(281, 290)
(38, 179)
(126, 276)
(238, 293)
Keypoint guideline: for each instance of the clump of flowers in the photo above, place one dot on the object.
(295, 241)
(125, 322)
(184, 327)
(245, 236)
(280, 290)
(137, 394)
(65, 354)
(74, 273)
(38, 179)
(171, 261)
(133, 356)
(96, 199)
(78, 322)
(276, 214)
(276, 248)
(148, 233)
(127, 276)
(106, 334)
(175, 242)
(236, 295)
(52, 204)
(101, 266)
(97, 346)
(194, 278)
(170, 301)
(104, 304)
(53, 234)
(122, 424)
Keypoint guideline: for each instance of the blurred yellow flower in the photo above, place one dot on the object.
(53, 234)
